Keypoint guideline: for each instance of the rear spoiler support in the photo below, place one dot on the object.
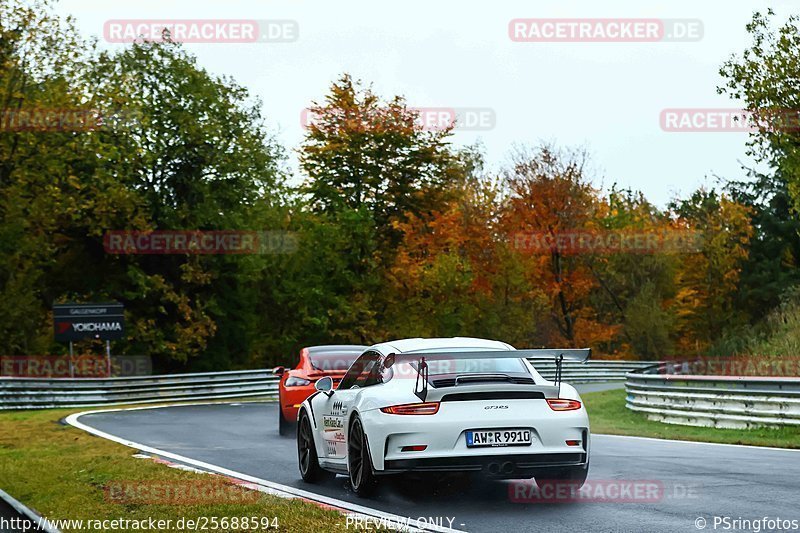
(559, 361)
(422, 373)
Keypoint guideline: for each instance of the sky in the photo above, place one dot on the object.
(607, 97)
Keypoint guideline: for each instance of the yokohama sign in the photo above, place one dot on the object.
(74, 322)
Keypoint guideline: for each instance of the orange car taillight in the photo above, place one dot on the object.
(430, 408)
(294, 381)
(563, 405)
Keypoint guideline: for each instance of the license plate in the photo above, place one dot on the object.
(499, 437)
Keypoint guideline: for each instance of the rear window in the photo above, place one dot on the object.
(476, 366)
(333, 361)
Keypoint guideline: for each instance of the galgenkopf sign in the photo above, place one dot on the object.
(74, 322)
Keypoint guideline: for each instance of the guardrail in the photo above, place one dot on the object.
(590, 371)
(40, 393)
(735, 402)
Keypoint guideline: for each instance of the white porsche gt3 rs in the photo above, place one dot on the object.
(456, 405)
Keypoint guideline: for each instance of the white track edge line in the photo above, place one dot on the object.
(290, 491)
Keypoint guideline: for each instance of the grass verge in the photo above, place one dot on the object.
(608, 414)
(66, 473)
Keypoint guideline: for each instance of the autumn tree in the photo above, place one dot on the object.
(636, 289)
(453, 274)
(361, 152)
(708, 281)
(550, 194)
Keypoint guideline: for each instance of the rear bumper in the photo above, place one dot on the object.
(444, 437)
(510, 465)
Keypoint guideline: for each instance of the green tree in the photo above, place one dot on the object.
(636, 289)
(198, 156)
(370, 165)
(708, 282)
(42, 182)
(772, 267)
(173, 147)
(766, 77)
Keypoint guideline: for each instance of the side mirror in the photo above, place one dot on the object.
(389, 361)
(278, 371)
(325, 385)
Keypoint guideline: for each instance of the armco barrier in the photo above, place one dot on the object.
(38, 393)
(714, 401)
(590, 371)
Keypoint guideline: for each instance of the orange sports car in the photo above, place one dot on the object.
(297, 384)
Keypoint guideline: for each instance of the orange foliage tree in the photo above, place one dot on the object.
(550, 194)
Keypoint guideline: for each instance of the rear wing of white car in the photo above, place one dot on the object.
(421, 358)
(578, 355)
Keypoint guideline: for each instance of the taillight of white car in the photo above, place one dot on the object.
(429, 408)
(557, 404)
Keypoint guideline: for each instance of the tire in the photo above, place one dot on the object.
(307, 459)
(284, 427)
(359, 463)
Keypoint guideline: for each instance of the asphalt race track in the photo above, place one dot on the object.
(696, 480)
(7, 512)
